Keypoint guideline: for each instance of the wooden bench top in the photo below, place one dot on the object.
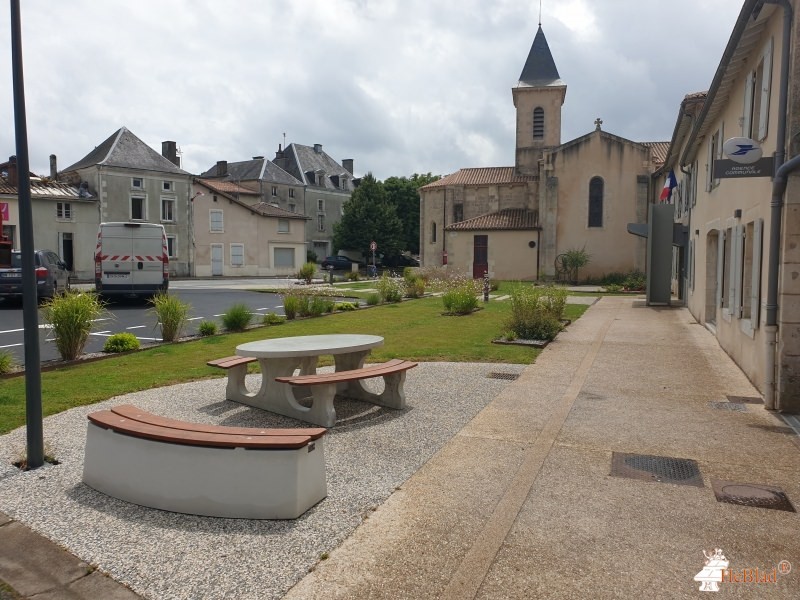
(230, 361)
(395, 365)
(192, 434)
(130, 411)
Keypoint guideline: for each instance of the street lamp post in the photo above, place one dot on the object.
(191, 233)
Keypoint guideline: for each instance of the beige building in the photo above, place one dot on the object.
(739, 272)
(514, 222)
(236, 235)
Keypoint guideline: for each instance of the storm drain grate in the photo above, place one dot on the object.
(506, 376)
(748, 494)
(681, 471)
(735, 406)
(745, 399)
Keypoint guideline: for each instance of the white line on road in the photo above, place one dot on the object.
(192, 319)
(13, 330)
(10, 345)
(137, 327)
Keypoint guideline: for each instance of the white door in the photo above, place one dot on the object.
(216, 259)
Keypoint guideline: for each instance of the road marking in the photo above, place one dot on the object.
(222, 315)
(103, 319)
(195, 318)
(137, 327)
(15, 330)
(10, 345)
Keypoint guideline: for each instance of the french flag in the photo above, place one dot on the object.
(670, 184)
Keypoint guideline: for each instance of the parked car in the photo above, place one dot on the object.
(400, 260)
(52, 275)
(337, 262)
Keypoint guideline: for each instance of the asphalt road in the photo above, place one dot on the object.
(208, 301)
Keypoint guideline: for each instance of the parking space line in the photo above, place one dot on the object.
(137, 327)
(10, 345)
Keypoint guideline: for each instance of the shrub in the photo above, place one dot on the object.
(315, 306)
(311, 256)
(373, 299)
(414, 287)
(459, 292)
(613, 288)
(536, 312)
(307, 272)
(615, 278)
(172, 314)
(237, 317)
(390, 289)
(573, 260)
(272, 319)
(635, 281)
(121, 342)
(291, 306)
(207, 328)
(346, 306)
(71, 316)
(352, 276)
(7, 362)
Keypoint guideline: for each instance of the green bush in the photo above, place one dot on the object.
(7, 362)
(536, 312)
(237, 317)
(573, 260)
(273, 319)
(172, 315)
(390, 289)
(414, 287)
(291, 306)
(460, 301)
(311, 256)
(71, 316)
(207, 328)
(373, 299)
(615, 278)
(352, 276)
(635, 281)
(307, 272)
(346, 306)
(315, 306)
(121, 342)
(612, 288)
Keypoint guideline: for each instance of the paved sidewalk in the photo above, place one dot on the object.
(521, 503)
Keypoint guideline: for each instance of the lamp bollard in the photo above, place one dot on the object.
(485, 286)
(330, 275)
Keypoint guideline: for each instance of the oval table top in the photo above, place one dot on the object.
(309, 345)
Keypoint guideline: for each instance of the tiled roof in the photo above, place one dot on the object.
(658, 150)
(227, 187)
(46, 189)
(125, 150)
(481, 176)
(507, 219)
(696, 95)
(269, 210)
(254, 170)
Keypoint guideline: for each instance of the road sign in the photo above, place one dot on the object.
(373, 246)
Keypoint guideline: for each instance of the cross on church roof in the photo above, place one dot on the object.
(597, 122)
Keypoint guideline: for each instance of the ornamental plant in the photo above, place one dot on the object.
(7, 362)
(172, 315)
(207, 328)
(390, 289)
(121, 342)
(536, 312)
(237, 317)
(71, 316)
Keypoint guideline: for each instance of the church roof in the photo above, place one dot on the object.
(658, 150)
(540, 68)
(506, 219)
(481, 176)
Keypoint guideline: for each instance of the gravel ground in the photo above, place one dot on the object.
(161, 555)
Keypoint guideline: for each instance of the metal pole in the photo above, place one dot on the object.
(30, 314)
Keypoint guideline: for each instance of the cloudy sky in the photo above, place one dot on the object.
(400, 86)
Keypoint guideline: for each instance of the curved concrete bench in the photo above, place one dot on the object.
(199, 469)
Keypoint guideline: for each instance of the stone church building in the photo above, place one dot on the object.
(514, 222)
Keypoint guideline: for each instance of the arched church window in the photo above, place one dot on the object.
(596, 202)
(538, 123)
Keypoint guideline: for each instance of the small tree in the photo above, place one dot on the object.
(573, 260)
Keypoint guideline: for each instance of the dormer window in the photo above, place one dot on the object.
(274, 190)
(343, 180)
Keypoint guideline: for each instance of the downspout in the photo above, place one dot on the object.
(776, 209)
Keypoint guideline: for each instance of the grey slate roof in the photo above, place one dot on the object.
(125, 150)
(304, 158)
(540, 68)
(255, 170)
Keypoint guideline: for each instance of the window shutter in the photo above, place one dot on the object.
(720, 141)
(736, 270)
(720, 265)
(747, 116)
(755, 288)
(710, 164)
(766, 83)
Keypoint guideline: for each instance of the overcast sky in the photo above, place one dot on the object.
(400, 86)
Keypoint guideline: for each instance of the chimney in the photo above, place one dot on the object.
(169, 150)
(347, 163)
(13, 180)
(53, 167)
(318, 148)
(258, 158)
(222, 168)
(280, 158)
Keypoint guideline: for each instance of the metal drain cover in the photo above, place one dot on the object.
(736, 406)
(506, 376)
(748, 494)
(745, 399)
(681, 471)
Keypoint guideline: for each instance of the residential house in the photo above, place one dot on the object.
(327, 186)
(739, 271)
(64, 217)
(235, 234)
(515, 222)
(133, 182)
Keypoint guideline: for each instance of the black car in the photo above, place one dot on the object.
(400, 260)
(337, 263)
(52, 275)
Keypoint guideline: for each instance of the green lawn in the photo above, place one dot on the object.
(414, 330)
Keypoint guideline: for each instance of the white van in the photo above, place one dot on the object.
(131, 259)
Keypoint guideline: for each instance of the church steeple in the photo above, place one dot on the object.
(538, 97)
(540, 68)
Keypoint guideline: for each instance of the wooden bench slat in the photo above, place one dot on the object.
(132, 412)
(231, 361)
(110, 420)
(395, 365)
